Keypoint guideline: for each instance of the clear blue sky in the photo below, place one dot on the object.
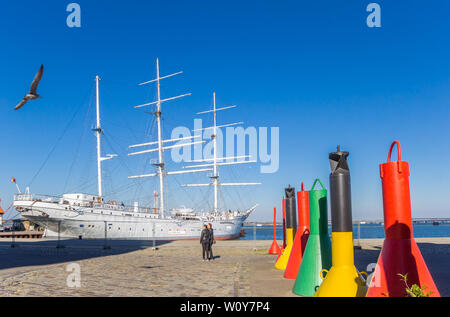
(312, 68)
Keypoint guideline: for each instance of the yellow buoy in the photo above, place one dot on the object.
(291, 225)
(343, 280)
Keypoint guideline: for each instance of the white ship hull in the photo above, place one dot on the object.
(117, 222)
(89, 216)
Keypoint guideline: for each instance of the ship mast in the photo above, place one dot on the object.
(98, 132)
(161, 173)
(216, 162)
(215, 176)
(160, 164)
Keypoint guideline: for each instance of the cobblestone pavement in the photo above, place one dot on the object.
(241, 268)
(175, 269)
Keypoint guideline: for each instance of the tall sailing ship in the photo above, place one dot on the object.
(90, 216)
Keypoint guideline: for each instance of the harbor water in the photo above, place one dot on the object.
(366, 231)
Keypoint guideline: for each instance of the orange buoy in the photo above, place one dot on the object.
(275, 248)
(301, 237)
(400, 253)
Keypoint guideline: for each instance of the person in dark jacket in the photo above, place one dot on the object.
(204, 241)
(211, 242)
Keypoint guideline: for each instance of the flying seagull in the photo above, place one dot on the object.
(32, 95)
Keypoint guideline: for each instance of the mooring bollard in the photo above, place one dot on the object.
(58, 243)
(106, 246)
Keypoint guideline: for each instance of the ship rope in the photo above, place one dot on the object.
(83, 133)
(7, 209)
(123, 163)
(114, 144)
(55, 145)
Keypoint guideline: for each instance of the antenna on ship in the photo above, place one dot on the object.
(160, 149)
(215, 160)
(98, 132)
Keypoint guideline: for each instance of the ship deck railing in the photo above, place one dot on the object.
(81, 203)
(36, 197)
(114, 206)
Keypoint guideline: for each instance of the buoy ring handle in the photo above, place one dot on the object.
(399, 151)
(399, 154)
(321, 273)
(315, 182)
(367, 276)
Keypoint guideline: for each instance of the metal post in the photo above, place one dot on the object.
(254, 237)
(106, 246)
(13, 245)
(58, 244)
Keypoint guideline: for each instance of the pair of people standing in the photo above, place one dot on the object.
(207, 240)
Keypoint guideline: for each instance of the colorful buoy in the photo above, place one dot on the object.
(291, 225)
(317, 255)
(301, 236)
(343, 280)
(400, 253)
(274, 248)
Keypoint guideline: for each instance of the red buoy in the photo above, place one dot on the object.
(275, 248)
(301, 237)
(400, 253)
